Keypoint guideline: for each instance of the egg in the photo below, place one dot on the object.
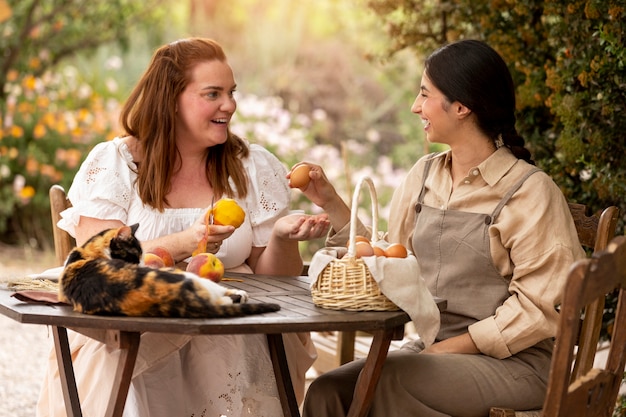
(299, 177)
(362, 249)
(358, 238)
(396, 250)
(378, 251)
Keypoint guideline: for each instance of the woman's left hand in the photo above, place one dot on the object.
(302, 226)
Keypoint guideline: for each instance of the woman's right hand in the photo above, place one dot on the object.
(319, 190)
(209, 235)
(323, 194)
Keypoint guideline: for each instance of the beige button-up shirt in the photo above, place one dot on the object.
(533, 240)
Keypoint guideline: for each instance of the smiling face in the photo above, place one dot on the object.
(206, 105)
(436, 112)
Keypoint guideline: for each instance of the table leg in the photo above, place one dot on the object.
(66, 371)
(283, 378)
(368, 378)
(128, 343)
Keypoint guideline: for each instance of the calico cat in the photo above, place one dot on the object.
(103, 276)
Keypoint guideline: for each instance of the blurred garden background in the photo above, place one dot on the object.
(327, 81)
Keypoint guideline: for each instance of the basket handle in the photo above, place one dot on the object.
(353, 214)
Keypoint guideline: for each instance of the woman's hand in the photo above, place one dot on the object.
(209, 235)
(302, 226)
(323, 194)
(319, 190)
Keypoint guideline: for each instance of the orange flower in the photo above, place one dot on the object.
(39, 131)
(29, 82)
(32, 165)
(17, 131)
(12, 75)
(43, 102)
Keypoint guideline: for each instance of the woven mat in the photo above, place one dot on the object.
(37, 291)
(30, 284)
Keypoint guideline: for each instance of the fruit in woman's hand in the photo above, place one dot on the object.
(396, 250)
(206, 265)
(226, 212)
(299, 177)
(153, 261)
(164, 254)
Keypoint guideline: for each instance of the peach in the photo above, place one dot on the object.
(164, 254)
(153, 261)
(206, 265)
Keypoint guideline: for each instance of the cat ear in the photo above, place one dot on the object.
(125, 232)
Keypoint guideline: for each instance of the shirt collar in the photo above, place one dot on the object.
(497, 165)
(493, 168)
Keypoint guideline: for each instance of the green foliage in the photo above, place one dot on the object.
(39, 34)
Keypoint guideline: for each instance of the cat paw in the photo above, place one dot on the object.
(238, 296)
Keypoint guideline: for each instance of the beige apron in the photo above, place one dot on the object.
(471, 283)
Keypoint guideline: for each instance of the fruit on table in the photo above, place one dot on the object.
(153, 261)
(299, 177)
(206, 265)
(162, 253)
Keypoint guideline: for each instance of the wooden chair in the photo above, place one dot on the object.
(63, 241)
(594, 392)
(594, 233)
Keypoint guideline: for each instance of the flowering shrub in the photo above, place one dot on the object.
(48, 125)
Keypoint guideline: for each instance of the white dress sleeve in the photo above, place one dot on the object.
(268, 196)
(102, 187)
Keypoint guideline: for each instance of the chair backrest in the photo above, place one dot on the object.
(595, 392)
(594, 233)
(63, 242)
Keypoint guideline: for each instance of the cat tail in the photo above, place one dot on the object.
(247, 309)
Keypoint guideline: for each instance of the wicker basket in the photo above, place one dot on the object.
(346, 283)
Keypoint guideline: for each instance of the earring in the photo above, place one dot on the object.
(499, 141)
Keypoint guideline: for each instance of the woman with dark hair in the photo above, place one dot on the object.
(493, 236)
(177, 155)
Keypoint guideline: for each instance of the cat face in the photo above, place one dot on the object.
(125, 246)
(119, 243)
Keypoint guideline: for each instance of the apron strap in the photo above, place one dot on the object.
(496, 212)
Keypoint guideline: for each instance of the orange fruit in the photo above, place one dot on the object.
(227, 212)
(396, 250)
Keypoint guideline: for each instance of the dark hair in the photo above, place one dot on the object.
(149, 115)
(474, 74)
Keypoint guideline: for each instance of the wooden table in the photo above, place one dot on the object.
(297, 314)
